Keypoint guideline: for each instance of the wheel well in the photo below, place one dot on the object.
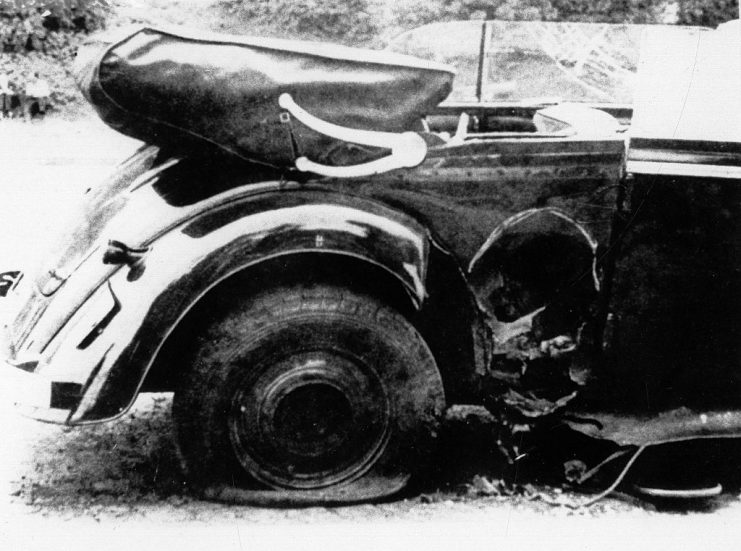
(280, 271)
(443, 321)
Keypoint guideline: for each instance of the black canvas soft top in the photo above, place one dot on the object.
(182, 89)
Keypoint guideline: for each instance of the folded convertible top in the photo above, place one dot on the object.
(181, 90)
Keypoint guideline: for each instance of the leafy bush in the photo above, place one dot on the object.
(355, 22)
(408, 14)
(707, 12)
(688, 12)
(47, 25)
(42, 36)
(349, 21)
(411, 13)
(608, 11)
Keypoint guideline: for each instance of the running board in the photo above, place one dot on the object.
(671, 426)
(678, 493)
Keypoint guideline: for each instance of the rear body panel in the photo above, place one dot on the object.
(103, 325)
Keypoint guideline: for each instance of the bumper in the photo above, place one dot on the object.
(32, 394)
(45, 381)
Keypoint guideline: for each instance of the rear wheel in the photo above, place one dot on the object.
(307, 395)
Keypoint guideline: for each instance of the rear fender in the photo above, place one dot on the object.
(119, 345)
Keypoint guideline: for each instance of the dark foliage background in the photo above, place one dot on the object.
(690, 12)
(43, 35)
(707, 12)
(350, 21)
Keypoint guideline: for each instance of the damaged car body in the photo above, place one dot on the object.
(330, 257)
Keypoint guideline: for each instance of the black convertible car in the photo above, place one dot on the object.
(320, 249)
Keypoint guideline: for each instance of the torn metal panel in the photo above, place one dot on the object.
(536, 280)
(532, 259)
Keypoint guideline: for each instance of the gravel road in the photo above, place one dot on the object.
(116, 485)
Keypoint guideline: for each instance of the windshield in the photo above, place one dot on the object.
(534, 60)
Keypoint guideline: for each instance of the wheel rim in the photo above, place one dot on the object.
(309, 420)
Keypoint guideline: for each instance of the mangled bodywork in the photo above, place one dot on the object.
(545, 276)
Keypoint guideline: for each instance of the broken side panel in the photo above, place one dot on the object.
(536, 281)
(529, 222)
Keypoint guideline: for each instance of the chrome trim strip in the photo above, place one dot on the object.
(685, 169)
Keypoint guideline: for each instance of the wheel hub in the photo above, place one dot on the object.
(311, 420)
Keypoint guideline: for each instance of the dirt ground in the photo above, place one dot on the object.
(70, 487)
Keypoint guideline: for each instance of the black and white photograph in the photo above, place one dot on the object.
(370, 274)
